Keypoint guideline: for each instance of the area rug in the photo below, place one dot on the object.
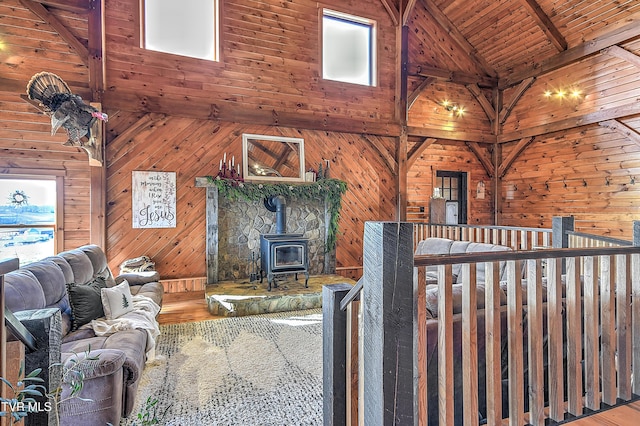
(253, 370)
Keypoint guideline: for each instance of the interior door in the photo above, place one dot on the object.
(453, 188)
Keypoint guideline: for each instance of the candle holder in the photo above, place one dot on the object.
(228, 170)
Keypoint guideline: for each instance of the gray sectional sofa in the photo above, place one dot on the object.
(39, 295)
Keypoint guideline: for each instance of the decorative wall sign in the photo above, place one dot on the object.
(153, 199)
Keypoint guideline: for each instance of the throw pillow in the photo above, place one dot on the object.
(117, 300)
(85, 301)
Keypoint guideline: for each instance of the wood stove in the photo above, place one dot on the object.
(282, 253)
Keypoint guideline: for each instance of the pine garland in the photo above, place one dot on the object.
(329, 189)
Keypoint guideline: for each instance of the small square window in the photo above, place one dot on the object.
(348, 48)
(186, 27)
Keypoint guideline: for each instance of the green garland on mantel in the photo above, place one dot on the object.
(329, 189)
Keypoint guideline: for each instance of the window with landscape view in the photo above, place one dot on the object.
(27, 218)
(186, 27)
(348, 48)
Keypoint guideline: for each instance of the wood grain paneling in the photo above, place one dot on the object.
(270, 53)
(194, 148)
(450, 157)
(590, 174)
(171, 113)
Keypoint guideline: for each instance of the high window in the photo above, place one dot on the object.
(28, 218)
(348, 48)
(185, 27)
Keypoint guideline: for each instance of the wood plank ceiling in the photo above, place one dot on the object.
(495, 50)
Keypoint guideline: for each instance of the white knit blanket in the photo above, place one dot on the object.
(143, 316)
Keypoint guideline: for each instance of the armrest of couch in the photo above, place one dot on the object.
(95, 363)
(138, 278)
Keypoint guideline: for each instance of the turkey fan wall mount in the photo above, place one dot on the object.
(81, 121)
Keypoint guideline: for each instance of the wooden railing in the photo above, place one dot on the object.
(518, 238)
(390, 361)
(581, 240)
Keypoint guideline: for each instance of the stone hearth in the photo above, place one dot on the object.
(241, 297)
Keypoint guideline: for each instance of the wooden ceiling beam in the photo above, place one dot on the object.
(482, 100)
(43, 13)
(522, 88)
(97, 65)
(622, 129)
(485, 159)
(622, 53)
(456, 77)
(458, 38)
(545, 24)
(450, 135)
(76, 6)
(417, 149)
(394, 13)
(513, 155)
(571, 123)
(232, 112)
(388, 159)
(426, 82)
(408, 9)
(623, 34)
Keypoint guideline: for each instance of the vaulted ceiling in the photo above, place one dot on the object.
(509, 40)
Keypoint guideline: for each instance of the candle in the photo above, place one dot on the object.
(225, 157)
(233, 160)
(239, 170)
(220, 168)
(229, 164)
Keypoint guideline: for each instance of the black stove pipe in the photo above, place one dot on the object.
(278, 204)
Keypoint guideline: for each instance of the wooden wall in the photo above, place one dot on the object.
(449, 157)
(171, 113)
(588, 171)
(26, 144)
(163, 143)
(270, 70)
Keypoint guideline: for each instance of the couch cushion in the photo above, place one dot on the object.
(99, 261)
(64, 267)
(434, 245)
(459, 247)
(22, 291)
(86, 302)
(51, 280)
(480, 271)
(456, 290)
(80, 264)
(153, 290)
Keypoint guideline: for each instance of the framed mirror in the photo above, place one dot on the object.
(272, 158)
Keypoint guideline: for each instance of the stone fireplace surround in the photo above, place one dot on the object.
(234, 228)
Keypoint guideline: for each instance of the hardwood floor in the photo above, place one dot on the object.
(184, 307)
(625, 415)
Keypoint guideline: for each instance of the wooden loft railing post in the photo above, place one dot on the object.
(334, 355)
(6, 266)
(635, 309)
(389, 332)
(560, 226)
